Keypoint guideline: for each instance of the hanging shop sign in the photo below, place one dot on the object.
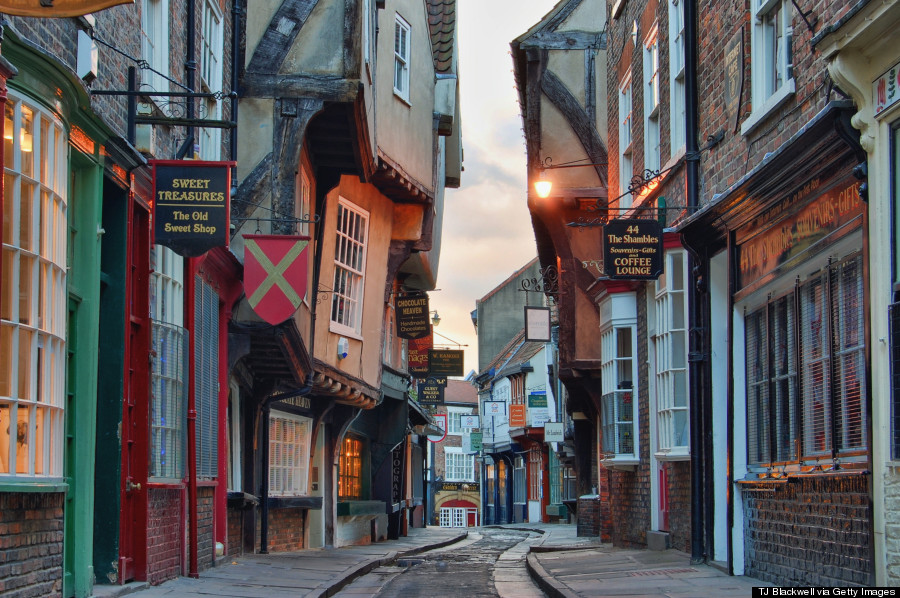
(554, 432)
(430, 392)
(417, 355)
(517, 416)
(440, 420)
(633, 249)
(537, 324)
(796, 226)
(412, 317)
(56, 8)
(476, 440)
(276, 271)
(468, 422)
(445, 362)
(191, 205)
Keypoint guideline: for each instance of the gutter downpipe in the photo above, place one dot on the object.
(190, 66)
(698, 360)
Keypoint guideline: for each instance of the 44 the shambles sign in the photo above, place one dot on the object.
(412, 317)
(191, 205)
(633, 249)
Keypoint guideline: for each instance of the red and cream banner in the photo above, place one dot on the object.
(276, 271)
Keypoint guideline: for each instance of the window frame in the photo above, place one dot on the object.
(301, 451)
(668, 342)
(454, 416)
(652, 137)
(34, 379)
(211, 73)
(155, 45)
(767, 61)
(463, 470)
(677, 97)
(626, 130)
(402, 38)
(619, 323)
(205, 338)
(168, 412)
(360, 465)
(355, 273)
(811, 370)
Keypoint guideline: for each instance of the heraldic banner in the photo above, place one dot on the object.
(276, 271)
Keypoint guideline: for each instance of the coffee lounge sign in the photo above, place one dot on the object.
(633, 249)
(191, 205)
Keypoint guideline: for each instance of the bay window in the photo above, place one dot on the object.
(33, 292)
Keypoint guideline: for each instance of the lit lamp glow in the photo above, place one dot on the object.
(542, 187)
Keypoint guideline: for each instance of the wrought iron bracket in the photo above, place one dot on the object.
(547, 283)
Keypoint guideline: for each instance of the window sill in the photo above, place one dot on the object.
(772, 102)
(402, 99)
(344, 331)
(33, 486)
(680, 455)
(295, 502)
(355, 508)
(621, 463)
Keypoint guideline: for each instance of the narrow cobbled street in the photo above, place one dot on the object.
(490, 562)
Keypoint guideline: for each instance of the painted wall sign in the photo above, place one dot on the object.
(783, 236)
(191, 205)
(412, 317)
(445, 362)
(886, 89)
(417, 354)
(633, 249)
(517, 416)
(458, 486)
(734, 73)
(397, 471)
(56, 8)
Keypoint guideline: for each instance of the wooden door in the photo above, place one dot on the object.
(136, 402)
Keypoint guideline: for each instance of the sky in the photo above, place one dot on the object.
(487, 231)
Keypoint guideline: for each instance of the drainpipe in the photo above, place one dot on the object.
(698, 358)
(190, 67)
(189, 308)
(236, 62)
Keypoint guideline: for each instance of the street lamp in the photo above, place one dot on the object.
(543, 186)
(435, 319)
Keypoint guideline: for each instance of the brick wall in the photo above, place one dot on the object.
(810, 532)
(165, 534)
(234, 544)
(892, 528)
(679, 475)
(286, 530)
(31, 544)
(206, 553)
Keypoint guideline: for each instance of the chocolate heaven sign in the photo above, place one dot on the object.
(191, 205)
(412, 317)
(633, 249)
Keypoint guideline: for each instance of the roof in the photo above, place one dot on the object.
(460, 391)
(442, 23)
(511, 278)
(517, 352)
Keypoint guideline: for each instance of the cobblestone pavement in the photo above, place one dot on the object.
(490, 563)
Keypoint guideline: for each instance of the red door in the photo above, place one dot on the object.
(135, 405)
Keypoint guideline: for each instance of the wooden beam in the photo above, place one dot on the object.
(280, 34)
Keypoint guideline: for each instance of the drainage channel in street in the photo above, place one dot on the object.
(487, 564)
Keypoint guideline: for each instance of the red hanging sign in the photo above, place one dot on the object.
(275, 274)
